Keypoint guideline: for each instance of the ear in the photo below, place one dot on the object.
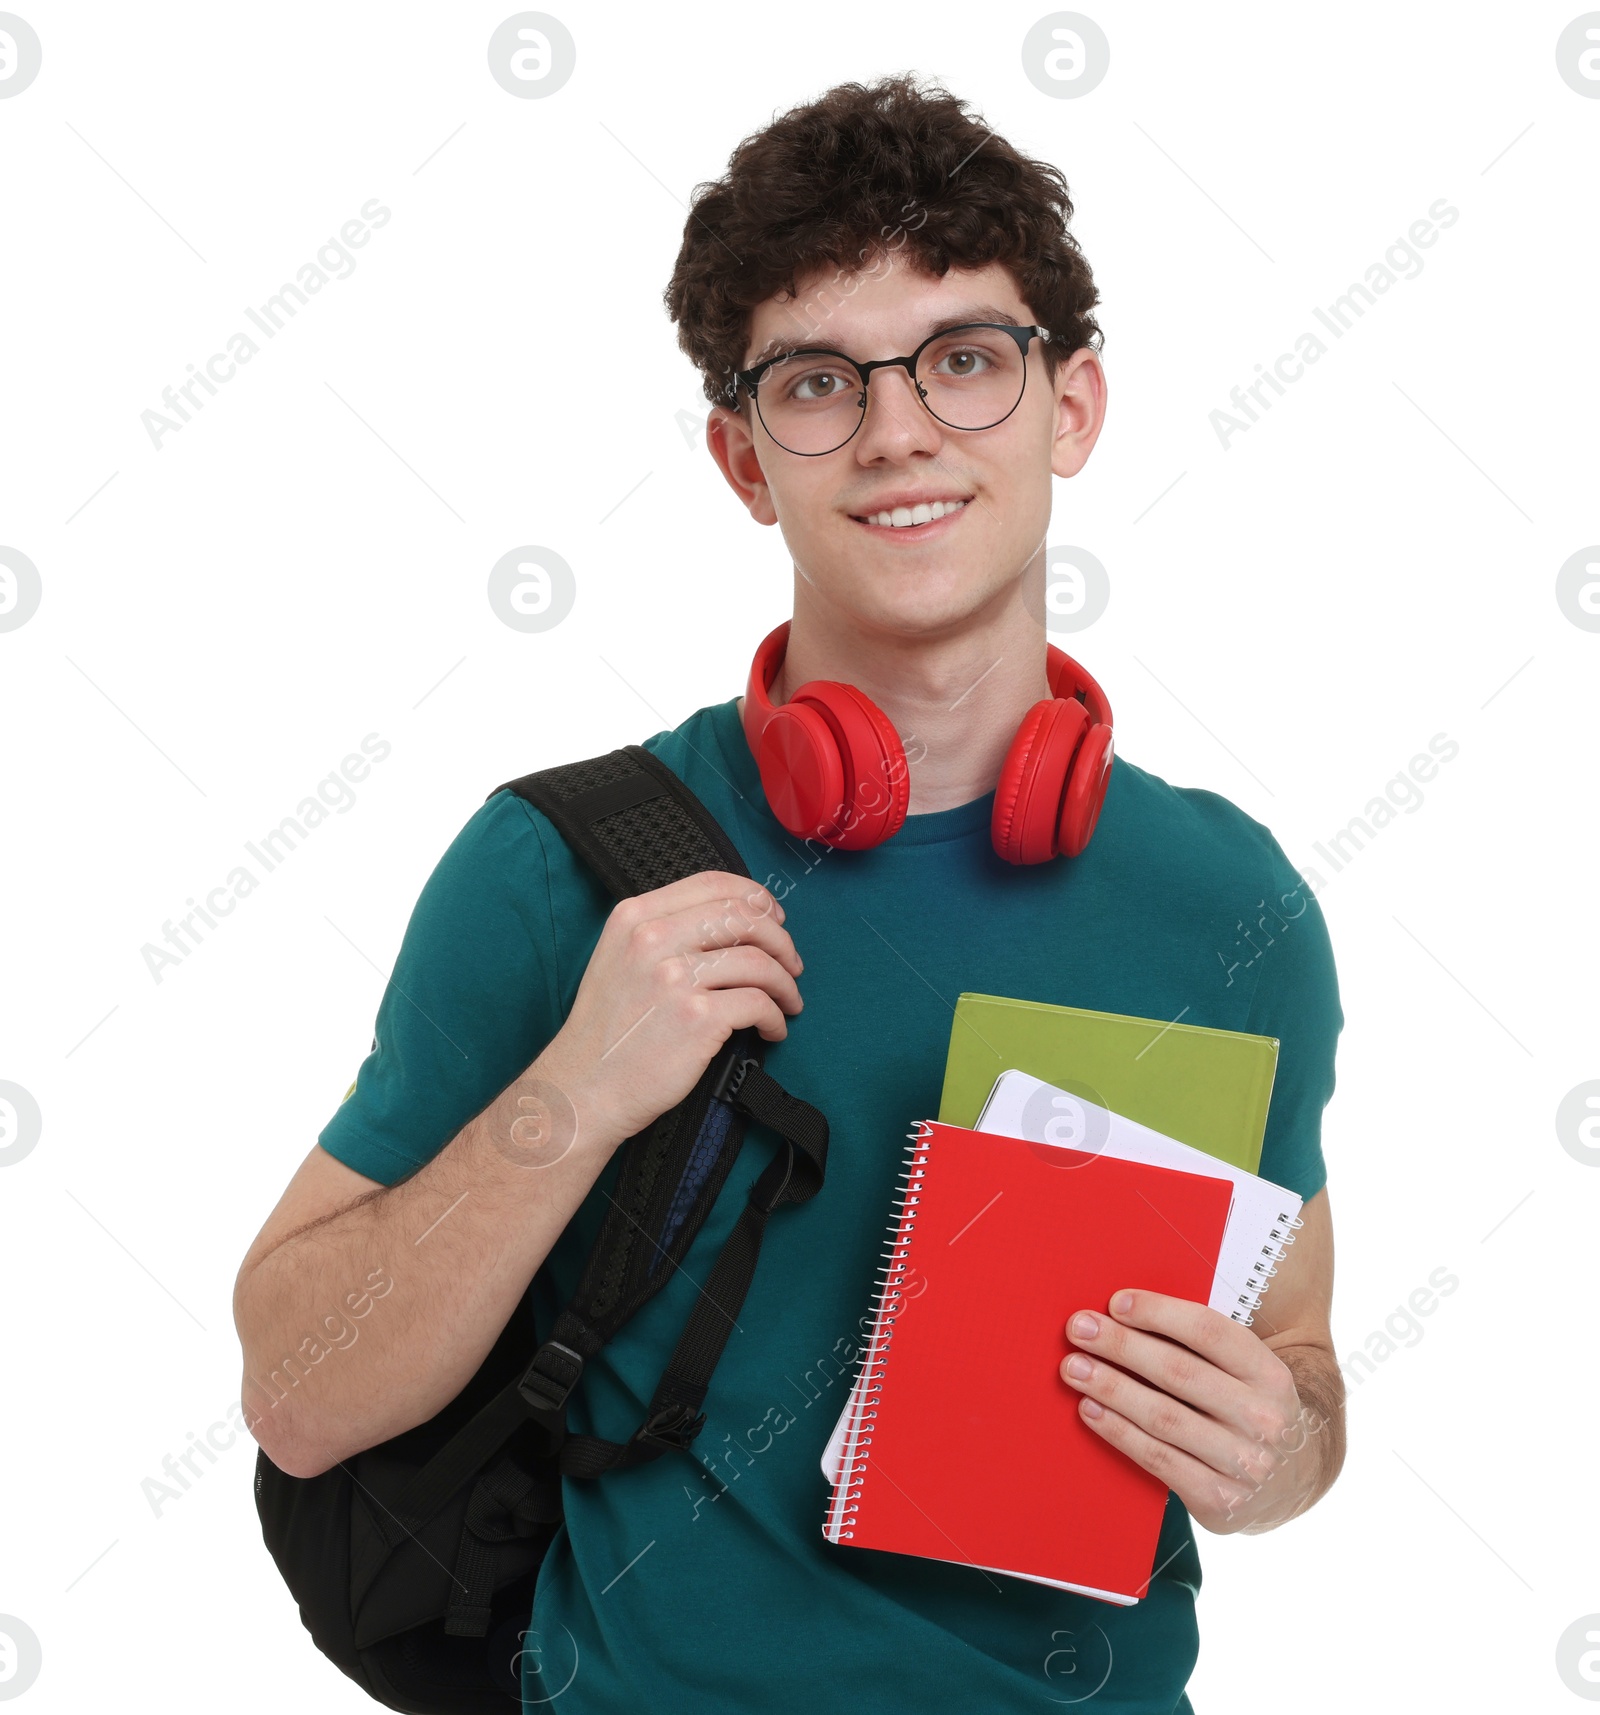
(1080, 394)
(731, 444)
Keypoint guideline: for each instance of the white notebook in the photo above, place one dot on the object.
(1261, 1222)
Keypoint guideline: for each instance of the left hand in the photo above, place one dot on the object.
(1197, 1400)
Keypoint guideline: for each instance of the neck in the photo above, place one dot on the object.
(956, 698)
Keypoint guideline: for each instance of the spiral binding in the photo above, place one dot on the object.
(1279, 1237)
(891, 1273)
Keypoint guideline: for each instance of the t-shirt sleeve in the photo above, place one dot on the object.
(472, 1001)
(1297, 1000)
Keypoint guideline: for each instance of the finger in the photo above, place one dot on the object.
(1209, 1495)
(1162, 1417)
(703, 926)
(706, 885)
(738, 967)
(1218, 1338)
(741, 1009)
(726, 921)
(699, 932)
(1173, 1368)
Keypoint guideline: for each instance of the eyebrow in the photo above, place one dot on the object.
(776, 348)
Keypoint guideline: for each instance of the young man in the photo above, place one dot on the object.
(879, 223)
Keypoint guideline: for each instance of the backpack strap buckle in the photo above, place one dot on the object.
(737, 1068)
(551, 1376)
(671, 1427)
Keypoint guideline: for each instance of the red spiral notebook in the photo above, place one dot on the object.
(967, 1444)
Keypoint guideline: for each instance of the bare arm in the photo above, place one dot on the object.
(363, 1309)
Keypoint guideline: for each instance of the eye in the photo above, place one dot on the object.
(963, 361)
(817, 386)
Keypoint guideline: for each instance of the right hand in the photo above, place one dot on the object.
(675, 972)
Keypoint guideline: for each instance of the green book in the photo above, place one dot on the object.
(1207, 1088)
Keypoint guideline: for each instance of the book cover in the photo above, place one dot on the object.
(1207, 1088)
(967, 1444)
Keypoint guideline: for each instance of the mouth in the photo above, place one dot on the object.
(915, 523)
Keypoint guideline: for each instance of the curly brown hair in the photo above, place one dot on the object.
(862, 172)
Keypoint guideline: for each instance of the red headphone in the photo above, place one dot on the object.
(833, 768)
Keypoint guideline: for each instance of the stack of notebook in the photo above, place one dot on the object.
(1075, 1153)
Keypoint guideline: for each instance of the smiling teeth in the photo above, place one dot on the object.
(902, 517)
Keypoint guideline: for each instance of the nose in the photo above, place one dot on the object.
(897, 422)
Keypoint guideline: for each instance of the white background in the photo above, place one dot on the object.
(305, 563)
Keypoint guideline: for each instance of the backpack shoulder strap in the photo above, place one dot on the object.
(639, 826)
(631, 819)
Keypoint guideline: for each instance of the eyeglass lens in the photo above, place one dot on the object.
(813, 402)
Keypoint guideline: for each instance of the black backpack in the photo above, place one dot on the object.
(414, 1562)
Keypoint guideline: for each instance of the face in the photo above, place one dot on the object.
(928, 578)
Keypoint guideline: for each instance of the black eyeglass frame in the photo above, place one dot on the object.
(1023, 333)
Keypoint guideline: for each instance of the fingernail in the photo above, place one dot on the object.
(1122, 1303)
(1079, 1367)
(1093, 1408)
(1084, 1326)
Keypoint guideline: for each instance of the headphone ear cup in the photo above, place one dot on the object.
(802, 772)
(876, 787)
(1086, 791)
(1028, 795)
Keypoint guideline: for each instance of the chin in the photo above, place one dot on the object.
(912, 609)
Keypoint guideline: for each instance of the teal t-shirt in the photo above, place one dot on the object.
(704, 1581)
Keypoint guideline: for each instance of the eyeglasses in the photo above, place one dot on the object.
(969, 377)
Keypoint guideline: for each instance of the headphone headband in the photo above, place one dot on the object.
(1067, 677)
